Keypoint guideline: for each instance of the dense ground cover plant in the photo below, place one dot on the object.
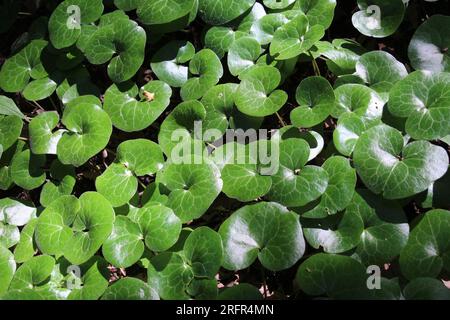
(100, 100)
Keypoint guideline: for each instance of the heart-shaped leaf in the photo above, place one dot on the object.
(217, 12)
(257, 95)
(17, 70)
(130, 289)
(65, 23)
(386, 228)
(10, 130)
(340, 189)
(264, 28)
(204, 251)
(358, 99)
(423, 99)
(388, 167)
(295, 37)
(124, 247)
(43, 139)
(428, 49)
(206, 71)
(16, 213)
(168, 63)
(120, 41)
(75, 228)
(243, 54)
(167, 15)
(427, 252)
(130, 114)
(192, 188)
(267, 231)
(159, 225)
(378, 18)
(61, 183)
(89, 129)
(349, 128)
(316, 99)
(32, 273)
(332, 275)
(297, 184)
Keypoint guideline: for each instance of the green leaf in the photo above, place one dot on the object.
(266, 231)
(168, 63)
(203, 289)
(203, 249)
(388, 167)
(131, 109)
(7, 269)
(340, 189)
(167, 15)
(243, 291)
(179, 127)
(386, 228)
(159, 225)
(8, 156)
(61, 183)
(117, 184)
(257, 95)
(378, 18)
(297, 184)
(40, 89)
(65, 22)
(119, 41)
(332, 275)
(16, 213)
(380, 70)
(9, 235)
(169, 274)
(124, 247)
(32, 273)
(424, 99)
(295, 37)
(219, 39)
(217, 12)
(130, 289)
(264, 28)
(206, 69)
(426, 289)
(10, 130)
(9, 108)
(27, 170)
(359, 99)
(26, 247)
(75, 228)
(427, 251)
(43, 139)
(191, 188)
(89, 132)
(316, 99)
(318, 11)
(428, 49)
(93, 281)
(17, 70)
(349, 128)
(335, 234)
(126, 5)
(242, 55)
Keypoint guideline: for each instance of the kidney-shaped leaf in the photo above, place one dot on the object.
(267, 231)
(396, 171)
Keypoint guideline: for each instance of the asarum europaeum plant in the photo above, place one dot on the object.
(224, 149)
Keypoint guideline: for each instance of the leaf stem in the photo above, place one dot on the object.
(315, 65)
(280, 118)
